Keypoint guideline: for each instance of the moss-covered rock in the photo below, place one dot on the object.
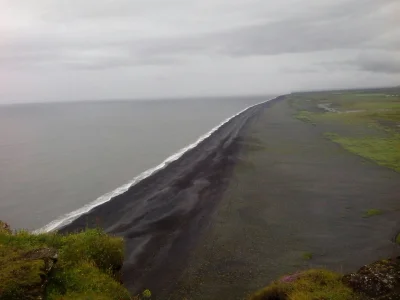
(24, 274)
(380, 280)
(52, 266)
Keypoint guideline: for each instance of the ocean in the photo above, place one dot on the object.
(56, 158)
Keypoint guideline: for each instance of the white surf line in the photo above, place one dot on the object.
(68, 218)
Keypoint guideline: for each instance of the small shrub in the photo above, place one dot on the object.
(85, 278)
(307, 255)
(96, 246)
(397, 239)
(146, 294)
(372, 212)
(275, 291)
(311, 284)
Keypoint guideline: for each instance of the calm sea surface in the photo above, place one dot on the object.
(55, 158)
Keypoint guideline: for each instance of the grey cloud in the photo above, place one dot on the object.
(339, 27)
(381, 66)
(72, 10)
(120, 63)
(379, 62)
(374, 61)
(347, 25)
(297, 35)
(228, 45)
(294, 37)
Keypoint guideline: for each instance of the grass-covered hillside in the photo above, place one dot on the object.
(82, 266)
(311, 284)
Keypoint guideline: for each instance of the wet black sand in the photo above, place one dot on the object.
(245, 205)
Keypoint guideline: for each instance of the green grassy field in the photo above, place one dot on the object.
(369, 120)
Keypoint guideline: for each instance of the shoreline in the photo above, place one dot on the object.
(161, 216)
(68, 218)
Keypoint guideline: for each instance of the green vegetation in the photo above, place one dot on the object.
(372, 212)
(146, 294)
(384, 151)
(397, 239)
(307, 255)
(77, 266)
(331, 135)
(366, 123)
(305, 116)
(311, 284)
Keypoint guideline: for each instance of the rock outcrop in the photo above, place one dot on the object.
(377, 281)
(25, 273)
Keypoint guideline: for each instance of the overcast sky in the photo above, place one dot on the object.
(60, 50)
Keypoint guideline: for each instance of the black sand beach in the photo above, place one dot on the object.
(245, 206)
(161, 217)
